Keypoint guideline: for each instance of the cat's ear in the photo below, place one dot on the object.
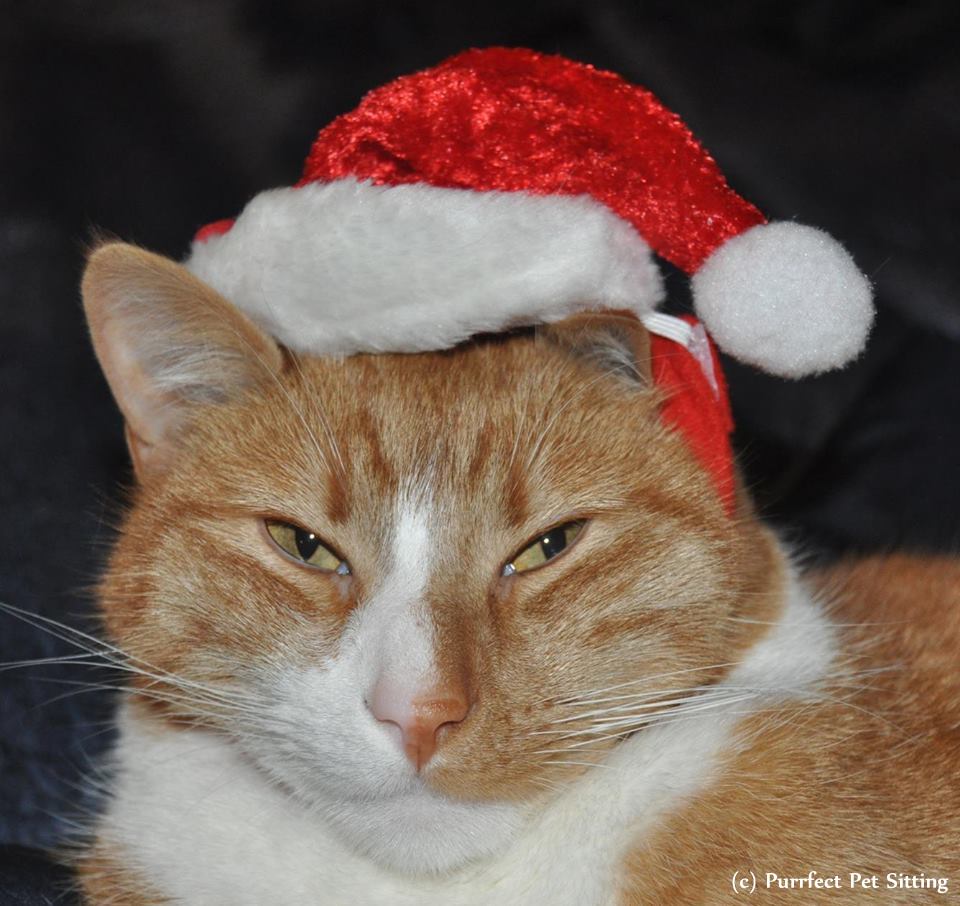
(167, 342)
(611, 340)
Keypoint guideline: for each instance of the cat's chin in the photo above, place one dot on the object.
(422, 832)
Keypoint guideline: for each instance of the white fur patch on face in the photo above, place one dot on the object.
(204, 825)
(321, 739)
(394, 631)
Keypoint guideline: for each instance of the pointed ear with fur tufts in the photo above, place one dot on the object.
(615, 341)
(167, 342)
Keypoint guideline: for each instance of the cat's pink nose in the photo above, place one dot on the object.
(419, 720)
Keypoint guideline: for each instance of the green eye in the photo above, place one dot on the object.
(545, 548)
(306, 547)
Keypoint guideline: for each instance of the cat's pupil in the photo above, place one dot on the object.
(307, 543)
(553, 542)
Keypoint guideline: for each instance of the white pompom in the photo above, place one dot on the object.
(786, 298)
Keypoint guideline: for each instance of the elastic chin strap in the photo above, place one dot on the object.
(687, 371)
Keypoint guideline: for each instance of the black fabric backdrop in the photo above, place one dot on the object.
(148, 120)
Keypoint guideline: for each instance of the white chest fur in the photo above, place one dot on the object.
(204, 827)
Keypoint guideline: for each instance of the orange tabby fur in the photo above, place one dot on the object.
(518, 433)
(865, 783)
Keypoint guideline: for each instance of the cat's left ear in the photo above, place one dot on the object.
(615, 341)
(168, 344)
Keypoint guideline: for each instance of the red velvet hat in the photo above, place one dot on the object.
(508, 187)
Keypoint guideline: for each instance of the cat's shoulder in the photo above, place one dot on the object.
(903, 610)
(925, 589)
(864, 766)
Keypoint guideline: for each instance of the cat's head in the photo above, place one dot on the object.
(418, 592)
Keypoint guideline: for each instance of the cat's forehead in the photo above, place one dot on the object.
(516, 426)
(460, 414)
(488, 440)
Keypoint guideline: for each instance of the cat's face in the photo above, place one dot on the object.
(516, 562)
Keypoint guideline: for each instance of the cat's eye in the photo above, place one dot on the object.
(306, 546)
(544, 548)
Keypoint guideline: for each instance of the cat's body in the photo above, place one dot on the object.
(648, 718)
(863, 785)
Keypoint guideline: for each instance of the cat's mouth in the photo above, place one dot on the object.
(402, 822)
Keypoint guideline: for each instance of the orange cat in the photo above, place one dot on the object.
(438, 587)
(473, 627)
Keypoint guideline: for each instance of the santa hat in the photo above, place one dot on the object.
(507, 187)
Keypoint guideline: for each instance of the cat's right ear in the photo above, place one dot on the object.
(167, 343)
(614, 341)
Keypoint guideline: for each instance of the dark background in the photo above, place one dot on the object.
(149, 120)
